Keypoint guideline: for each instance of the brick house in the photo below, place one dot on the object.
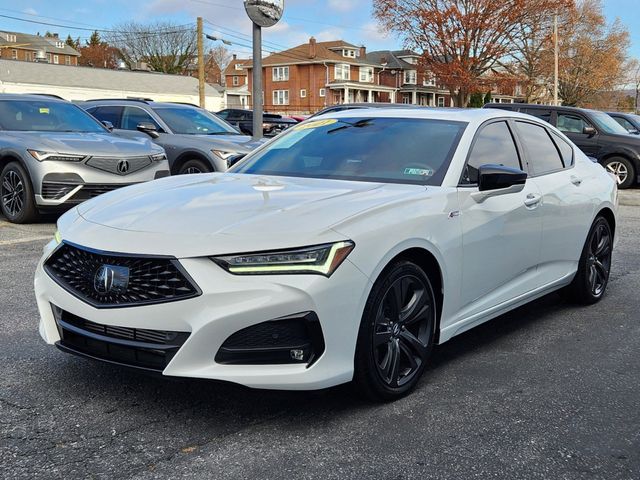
(313, 75)
(35, 48)
(236, 81)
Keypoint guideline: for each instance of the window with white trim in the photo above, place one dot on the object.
(429, 81)
(303, 93)
(441, 101)
(366, 74)
(281, 97)
(349, 53)
(342, 71)
(235, 81)
(238, 66)
(322, 92)
(49, 58)
(56, 59)
(11, 38)
(67, 60)
(14, 54)
(410, 77)
(59, 44)
(280, 74)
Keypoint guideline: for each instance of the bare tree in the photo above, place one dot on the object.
(164, 46)
(221, 57)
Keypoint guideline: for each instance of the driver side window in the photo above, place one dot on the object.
(133, 116)
(493, 144)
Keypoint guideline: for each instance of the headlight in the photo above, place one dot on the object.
(158, 157)
(57, 237)
(318, 259)
(55, 156)
(224, 154)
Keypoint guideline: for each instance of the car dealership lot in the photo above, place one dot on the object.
(547, 391)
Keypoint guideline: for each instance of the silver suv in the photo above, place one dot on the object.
(54, 155)
(196, 141)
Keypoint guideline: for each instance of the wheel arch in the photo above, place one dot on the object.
(610, 217)
(190, 155)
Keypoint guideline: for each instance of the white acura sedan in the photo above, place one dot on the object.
(343, 250)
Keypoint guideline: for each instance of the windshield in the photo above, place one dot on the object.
(46, 116)
(390, 150)
(193, 121)
(607, 124)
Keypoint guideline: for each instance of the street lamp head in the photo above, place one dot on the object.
(264, 13)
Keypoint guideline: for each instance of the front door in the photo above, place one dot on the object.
(573, 125)
(501, 230)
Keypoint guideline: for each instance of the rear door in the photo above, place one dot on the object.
(572, 124)
(501, 231)
(564, 208)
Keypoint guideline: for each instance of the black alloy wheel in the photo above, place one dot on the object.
(194, 166)
(17, 202)
(592, 276)
(397, 332)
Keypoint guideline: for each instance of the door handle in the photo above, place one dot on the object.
(532, 200)
(576, 181)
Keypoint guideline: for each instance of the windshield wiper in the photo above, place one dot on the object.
(224, 133)
(365, 122)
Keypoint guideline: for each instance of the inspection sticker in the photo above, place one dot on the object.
(315, 124)
(44, 110)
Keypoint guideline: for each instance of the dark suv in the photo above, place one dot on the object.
(272, 123)
(595, 133)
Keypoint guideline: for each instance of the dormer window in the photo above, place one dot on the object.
(238, 66)
(59, 44)
(11, 38)
(349, 53)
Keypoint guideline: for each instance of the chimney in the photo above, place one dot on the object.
(312, 48)
(55, 35)
(363, 51)
(235, 57)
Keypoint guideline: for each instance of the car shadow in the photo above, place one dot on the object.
(225, 402)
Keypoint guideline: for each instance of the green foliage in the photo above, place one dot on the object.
(487, 98)
(476, 100)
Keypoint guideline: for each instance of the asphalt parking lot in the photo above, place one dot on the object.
(549, 391)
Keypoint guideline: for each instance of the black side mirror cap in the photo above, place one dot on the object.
(496, 177)
(107, 124)
(589, 131)
(148, 128)
(232, 160)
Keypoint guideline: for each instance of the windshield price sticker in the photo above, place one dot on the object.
(425, 172)
(315, 124)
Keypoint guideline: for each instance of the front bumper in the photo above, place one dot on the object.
(228, 304)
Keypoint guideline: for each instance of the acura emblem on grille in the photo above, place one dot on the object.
(111, 279)
(123, 166)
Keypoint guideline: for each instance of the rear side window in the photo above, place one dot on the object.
(542, 154)
(566, 150)
(493, 144)
(110, 113)
(539, 113)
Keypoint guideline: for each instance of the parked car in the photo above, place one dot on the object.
(272, 123)
(629, 121)
(595, 133)
(344, 249)
(54, 155)
(194, 139)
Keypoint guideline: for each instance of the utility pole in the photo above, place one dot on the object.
(555, 58)
(200, 62)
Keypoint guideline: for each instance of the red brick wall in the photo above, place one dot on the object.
(29, 55)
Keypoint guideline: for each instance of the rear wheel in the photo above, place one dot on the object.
(622, 169)
(396, 334)
(17, 200)
(592, 277)
(194, 166)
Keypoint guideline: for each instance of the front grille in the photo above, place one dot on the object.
(116, 165)
(141, 348)
(93, 190)
(275, 342)
(107, 280)
(55, 191)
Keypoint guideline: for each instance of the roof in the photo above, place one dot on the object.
(25, 41)
(324, 53)
(392, 58)
(35, 96)
(13, 71)
(231, 68)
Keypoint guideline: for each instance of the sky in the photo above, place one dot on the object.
(349, 20)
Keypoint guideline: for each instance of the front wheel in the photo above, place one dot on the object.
(592, 277)
(396, 334)
(17, 201)
(622, 169)
(194, 166)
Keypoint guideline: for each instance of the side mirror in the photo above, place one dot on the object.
(108, 125)
(233, 159)
(496, 177)
(589, 131)
(634, 132)
(148, 128)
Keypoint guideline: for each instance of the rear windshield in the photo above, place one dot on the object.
(392, 150)
(46, 116)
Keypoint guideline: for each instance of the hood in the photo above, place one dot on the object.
(244, 141)
(196, 215)
(97, 144)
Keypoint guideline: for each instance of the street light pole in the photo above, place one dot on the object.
(257, 82)
(555, 58)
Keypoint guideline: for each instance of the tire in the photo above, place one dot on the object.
(17, 200)
(194, 166)
(623, 170)
(590, 283)
(387, 334)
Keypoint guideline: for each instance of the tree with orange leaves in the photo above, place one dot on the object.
(461, 41)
